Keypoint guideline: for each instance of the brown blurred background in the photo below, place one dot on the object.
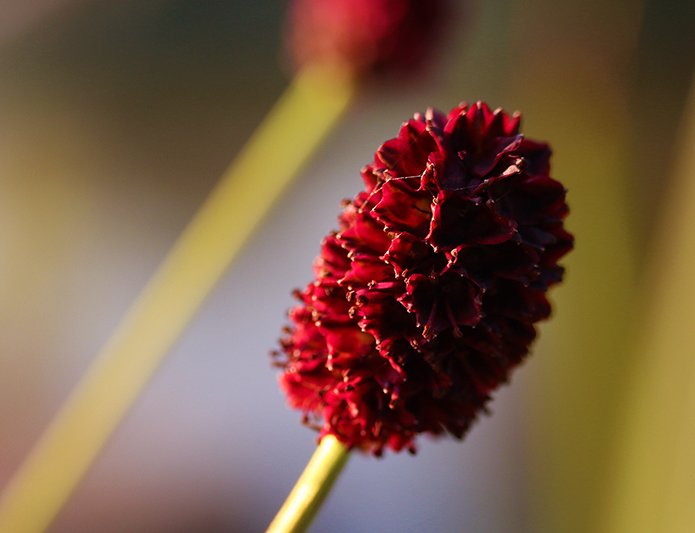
(116, 119)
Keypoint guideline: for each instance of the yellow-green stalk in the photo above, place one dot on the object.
(311, 488)
(302, 118)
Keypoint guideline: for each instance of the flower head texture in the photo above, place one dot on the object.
(427, 295)
(364, 35)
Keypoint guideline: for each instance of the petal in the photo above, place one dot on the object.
(403, 209)
(458, 220)
(448, 301)
(366, 270)
(484, 264)
(407, 154)
(408, 254)
(365, 235)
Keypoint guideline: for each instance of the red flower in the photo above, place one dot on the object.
(364, 35)
(427, 296)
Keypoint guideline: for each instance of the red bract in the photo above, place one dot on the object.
(427, 296)
(364, 35)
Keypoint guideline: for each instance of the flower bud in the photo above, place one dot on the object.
(428, 294)
(364, 35)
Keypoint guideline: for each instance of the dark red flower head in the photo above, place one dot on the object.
(427, 295)
(364, 35)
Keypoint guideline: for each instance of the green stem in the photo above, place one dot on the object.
(283, 143)
(312, 487)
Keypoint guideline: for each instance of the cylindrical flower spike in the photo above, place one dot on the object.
(364, 35)
(427, 295)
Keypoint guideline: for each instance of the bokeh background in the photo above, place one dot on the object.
(118, 116)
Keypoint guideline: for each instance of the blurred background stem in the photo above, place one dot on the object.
(289, 136)
(576, 95)
(652, 488)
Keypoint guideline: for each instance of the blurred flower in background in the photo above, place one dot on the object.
(117, 117)
(368, 35)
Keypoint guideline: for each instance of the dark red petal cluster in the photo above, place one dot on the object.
(427, 295)
(364, 35)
